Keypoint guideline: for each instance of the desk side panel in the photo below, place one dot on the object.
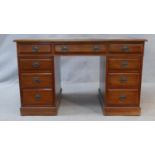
(57, 76)
(102, 80)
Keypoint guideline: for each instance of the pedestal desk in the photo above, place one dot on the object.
(121, 62)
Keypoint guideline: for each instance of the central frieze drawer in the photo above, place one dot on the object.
(126, 48)
(39, 80)
(33, 49)
(80, 48)
(38, 97)
(36, 64)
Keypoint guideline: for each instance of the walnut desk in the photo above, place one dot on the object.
(121, 62)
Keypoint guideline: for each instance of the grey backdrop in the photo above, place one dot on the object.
(74, 69)
(80, 82)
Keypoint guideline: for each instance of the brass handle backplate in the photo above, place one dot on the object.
(125, 48)
(64, 48)
(37, 97)
(35, 65)
(36, 80)
(122, 98)
(123, 79)
(35, 49)
(124, 64)
(96, 48)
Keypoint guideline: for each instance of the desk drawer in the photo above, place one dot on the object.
(124, 64)
(80, 48)
(33, 80)
(126, 48)
(34, 48)
(36, 65)
(38, 97)
(122, 98)
(123, 80)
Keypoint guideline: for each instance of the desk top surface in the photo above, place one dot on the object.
(81, 40)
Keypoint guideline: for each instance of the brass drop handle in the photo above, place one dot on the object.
(36, 80)
(122, 98)
(35, 65)
(35, 49)
(123, 79)
(64, 48)
(96, 48)
(125, 48)
(37, 97)
(124, 64)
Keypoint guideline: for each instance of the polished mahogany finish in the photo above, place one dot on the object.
(122, 97)
(38, 97)
(35, 64)
(86, 47)
(34, 49)
(123, 80)
(36, 80)
(121, 62)
(126, 48)
(124, 64)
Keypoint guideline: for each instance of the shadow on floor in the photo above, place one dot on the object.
(76, 103)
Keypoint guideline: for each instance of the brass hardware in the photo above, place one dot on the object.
(37, 97)
(35, 49)
(35, 65)
(36, 80)
(122, 97)
(125, 48)
(96, 48)
(123, 79)
(124, 64)
(64, 48)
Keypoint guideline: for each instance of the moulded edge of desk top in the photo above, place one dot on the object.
(78, 40)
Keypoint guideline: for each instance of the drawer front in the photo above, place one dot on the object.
(36, 64)
(34, 49)
(126, 48)
(123, 98)
(80, 48)
(123, 80)
(37, 80)
(38, 97)
(124, 64)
